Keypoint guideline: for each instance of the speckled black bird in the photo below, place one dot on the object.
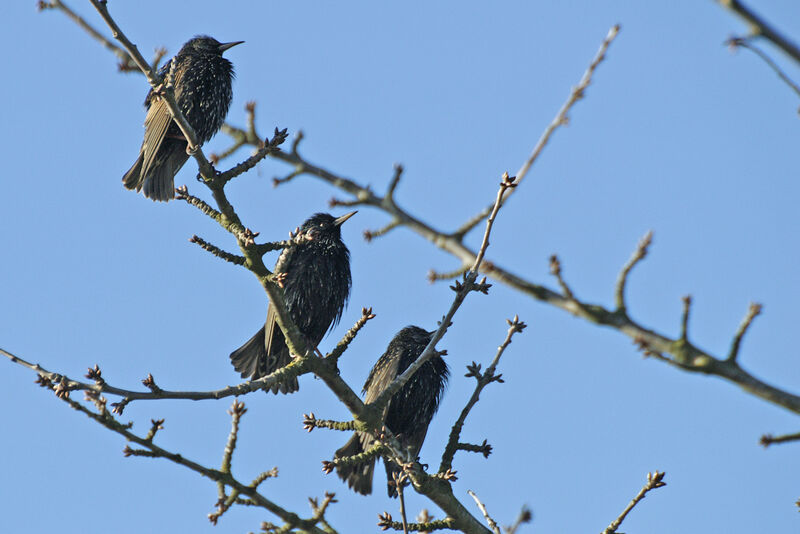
(202, 83)
(409, 412)
(316, 289)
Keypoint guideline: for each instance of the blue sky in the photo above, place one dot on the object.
(676, 134)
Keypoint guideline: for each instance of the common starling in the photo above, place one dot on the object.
(409, 412)
(202, 84)
(316, 289)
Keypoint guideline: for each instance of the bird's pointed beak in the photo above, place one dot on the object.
(225, 46)
(343, 218)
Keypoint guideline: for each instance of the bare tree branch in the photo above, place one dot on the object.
(155, 393)
(105, 418)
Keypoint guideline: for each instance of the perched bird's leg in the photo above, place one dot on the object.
(159, 90)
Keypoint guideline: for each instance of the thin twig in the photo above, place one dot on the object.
(427, 525)
(491, 522)
(400, 483)
(125, 58)
(216, 251)
(250, 110)
(506, 184)
(654, 480)
(236, 412)
(433, 276)
(638, 255)
(555, 270)
(738, 42)
(398, 173)
(752, 312)
(271, 147)
(373, 452)
(338, 350)
(129, 395)
(561, 119)
(310, 422)
(687, 306)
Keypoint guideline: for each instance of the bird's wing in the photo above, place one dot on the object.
(273, 341)
(156, 125)
(379, 379)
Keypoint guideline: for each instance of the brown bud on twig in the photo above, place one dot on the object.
(385, 520)
(237, 409)
(449, 475)
(473, 370)
(482, 286)
(309, 422)
(516, 324)
(655, 480)
(248, 236)
(95, 374)
(43, 381)
(487, 449)
(62, 390)
(119, 407)
(150, 383)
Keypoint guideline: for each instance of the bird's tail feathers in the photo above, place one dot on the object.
(357, 476)
(252, 360)
(133, 178)
(159, 184)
